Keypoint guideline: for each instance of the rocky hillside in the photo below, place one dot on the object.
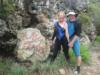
(26, 27)
(20, 19)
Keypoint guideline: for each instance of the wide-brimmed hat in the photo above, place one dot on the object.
(71, 13)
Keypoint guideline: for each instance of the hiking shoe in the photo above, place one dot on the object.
(76, 72)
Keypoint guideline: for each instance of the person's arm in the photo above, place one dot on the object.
(66, 32)
(74, 39)
(77, 34)
(54, 34)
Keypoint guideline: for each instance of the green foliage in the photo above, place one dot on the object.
(92, 14)
(18, 70)
(84, 18)
(5, 65)
(94, 11)
(84, 54)
(6, 7)
(98, 38)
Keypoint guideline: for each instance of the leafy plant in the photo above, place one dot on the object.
(6, 7)
(98, 38)
(94, 11)
(84, 18)
(84, 54)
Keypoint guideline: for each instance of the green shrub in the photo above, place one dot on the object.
(98, 38)
(5, 65)
(84, 18)
(18, 70)
(84, 53)
(94, 11)
(6, 7)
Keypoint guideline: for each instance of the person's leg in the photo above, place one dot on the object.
(76, 49)
(54, 51)
(66, 49)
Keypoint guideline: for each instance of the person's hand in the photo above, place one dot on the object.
(70, 44)
(51, 42)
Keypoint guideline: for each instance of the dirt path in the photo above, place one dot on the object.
(94, 67)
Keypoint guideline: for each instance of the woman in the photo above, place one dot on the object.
(60, 37)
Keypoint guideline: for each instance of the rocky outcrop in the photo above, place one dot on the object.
(44, 6)
(14, 22)
(8, 40)
(38, 16)
(77, 4)
(85, 41)
(32, 45)
(90, 30)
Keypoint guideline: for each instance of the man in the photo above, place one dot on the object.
(74, 30)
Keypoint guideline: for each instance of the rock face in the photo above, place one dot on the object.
(3, 27)
(44, 6)
(20, 4)
(14, 22)
(8, 40)
(90, 30)
(85, 40)
(77, 4)
(32, 45)
(33, 22)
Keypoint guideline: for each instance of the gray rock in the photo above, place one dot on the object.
(14, 22)
(85, 40)
(8, 40)
(20, 4)
(90, 30)
(40, 6)
(3, 27)
(32, 45)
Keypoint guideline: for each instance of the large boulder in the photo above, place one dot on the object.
(32, 45)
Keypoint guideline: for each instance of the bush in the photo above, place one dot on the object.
(94, 11)
(98, 38)
(18, 70)
(84, 18)
(84, 53)
(6, 7)
(5, 65)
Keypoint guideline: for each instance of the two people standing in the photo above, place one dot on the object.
(66, 34)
